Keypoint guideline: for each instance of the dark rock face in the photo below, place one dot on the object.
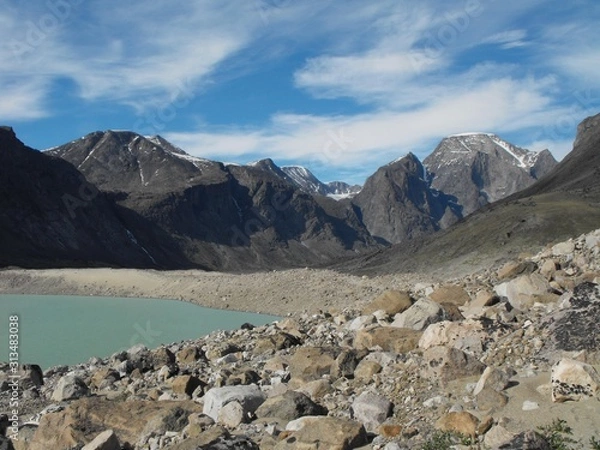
(570, 329)
(51, 215)
(397, 202)
(480, 168)
(210, 215)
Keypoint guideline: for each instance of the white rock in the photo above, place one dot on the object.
(361, 322)
(232, 414)
(250, 397)
(574, 380)
(564, 248)
(530, 406)
(497, 436)
(371, 410)
(104, 441)
(520, 292)
(435, 401)
(424, 312)
(69, 387)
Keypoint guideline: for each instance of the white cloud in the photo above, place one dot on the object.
(347, 141)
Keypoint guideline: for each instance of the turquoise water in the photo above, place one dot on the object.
(56, 330)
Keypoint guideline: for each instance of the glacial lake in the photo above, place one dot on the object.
(67, 330)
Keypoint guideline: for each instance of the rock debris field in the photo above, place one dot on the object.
(375, 363)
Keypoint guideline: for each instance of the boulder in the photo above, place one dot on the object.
(493, 378)
(468, 336)
(220, 349)
(189, 355)
(346, 362)
(459, 422)
(103, 377)
(80, 421)
(497, 437)
(451, 294)
(316, 389)
(563, 248)
(104, 441)
(323, 432)
(523, 291)
(311, 363)
(388, 339)
(548, 269)
(232, 415)
(448, 364)
(424, 312)
(574, 380)
(140, 358)
(278, 341)
(185, 384)
(392, 302)
(371, 410)
(513, 269)
(366, 370)
(569, 328)
(162, 357)
(30, 375)
(290, 406)
(488, 399)
(69, 387)
(250, 397)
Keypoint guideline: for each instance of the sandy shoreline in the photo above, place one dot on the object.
(275, 292)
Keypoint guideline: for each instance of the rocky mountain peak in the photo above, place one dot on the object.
(126, 161)
(481, 168)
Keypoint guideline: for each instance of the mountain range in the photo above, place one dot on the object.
(138, 201)
(562, 204)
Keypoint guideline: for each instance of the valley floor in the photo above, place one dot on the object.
(275, 292)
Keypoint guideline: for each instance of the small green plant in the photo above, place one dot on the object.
(594, 443)
(558, 434)
(446, 439)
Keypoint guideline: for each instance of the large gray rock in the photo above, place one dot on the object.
(523, 291)
(69, 387)
(371, 410)
(423, 313)
(104, 441)
(570, 328)
(250, 397)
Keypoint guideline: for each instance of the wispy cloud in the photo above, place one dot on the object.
(508, 39)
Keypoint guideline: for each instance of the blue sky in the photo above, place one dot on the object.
(340, 86)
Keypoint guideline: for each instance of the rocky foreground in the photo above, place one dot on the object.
(485, 359)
